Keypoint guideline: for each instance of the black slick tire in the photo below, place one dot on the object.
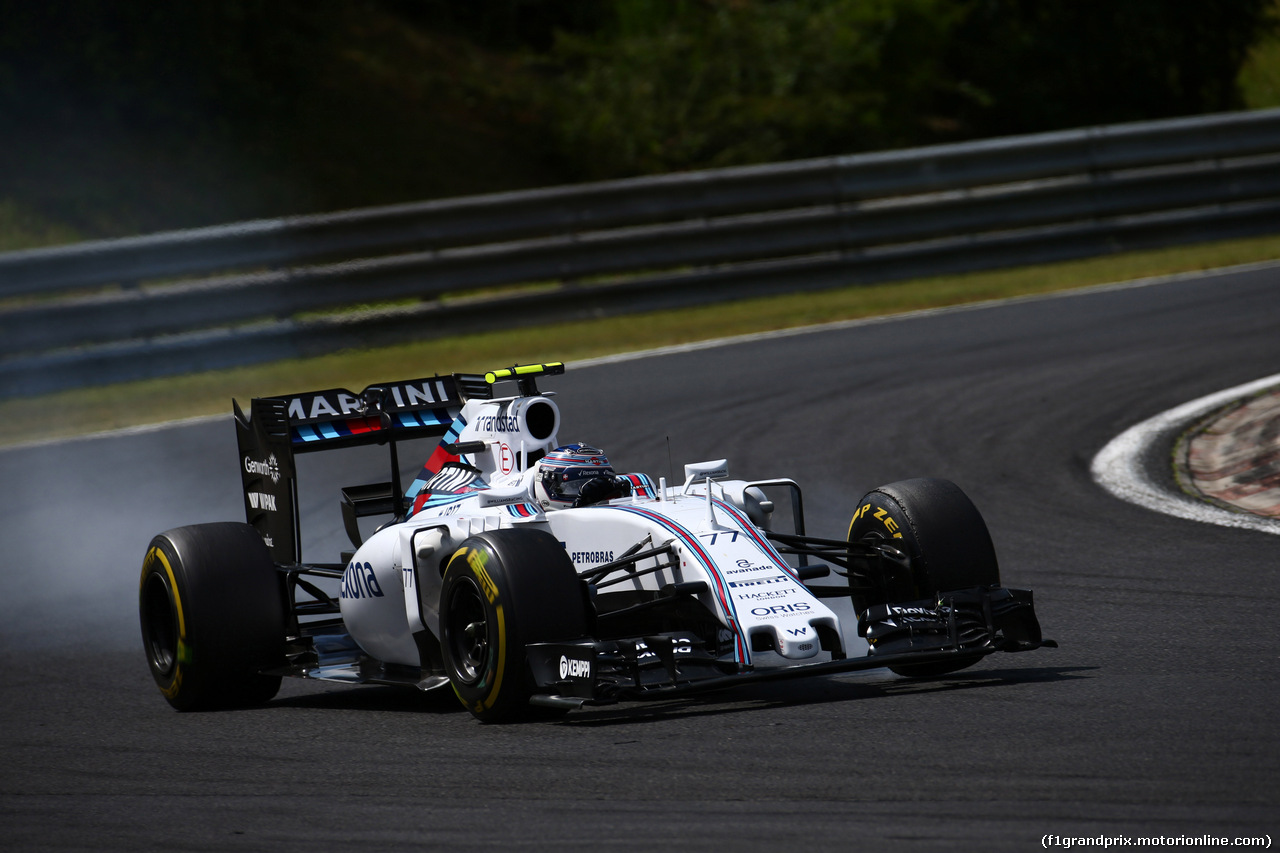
(211, 608)
(940, 529)
(504, 589)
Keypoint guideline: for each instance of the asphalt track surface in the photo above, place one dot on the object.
(1156, 717)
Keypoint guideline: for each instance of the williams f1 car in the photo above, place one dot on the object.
(521, 572)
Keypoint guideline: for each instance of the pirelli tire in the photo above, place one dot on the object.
(504, 589)
(211, 608)
(938, 527)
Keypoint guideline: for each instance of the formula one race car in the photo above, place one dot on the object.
(523, 572)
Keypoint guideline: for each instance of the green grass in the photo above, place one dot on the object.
(153, 401)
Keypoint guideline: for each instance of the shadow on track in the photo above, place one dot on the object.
(735, 700)
(375, 698)
(815, 692)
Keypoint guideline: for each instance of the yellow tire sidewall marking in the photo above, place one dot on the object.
(890, 525)
(476, 560)
(855, 518)
(181, 653)
(502, 660)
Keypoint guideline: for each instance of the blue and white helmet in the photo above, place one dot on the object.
(563, 471)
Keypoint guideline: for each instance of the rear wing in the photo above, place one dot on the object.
(277, 428)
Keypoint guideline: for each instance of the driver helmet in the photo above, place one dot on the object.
(563, 471)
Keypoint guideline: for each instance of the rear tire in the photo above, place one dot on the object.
(940, 529)
(504, 589)
(211, 608)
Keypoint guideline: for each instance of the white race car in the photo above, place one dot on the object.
(525, 573)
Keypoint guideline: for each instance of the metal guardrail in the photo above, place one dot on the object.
(108, 311)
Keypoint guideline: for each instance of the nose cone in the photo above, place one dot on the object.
(797, 642)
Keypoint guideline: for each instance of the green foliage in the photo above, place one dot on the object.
(1049, 64)
(164, 64)
(688, 85)
(23, 229)
(1260, 76)
(509, 24)
(122, 117)
(119, 118)
(723, 82)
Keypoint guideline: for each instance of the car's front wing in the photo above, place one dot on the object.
(956, 627)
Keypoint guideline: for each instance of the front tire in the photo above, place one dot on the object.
(211, 608)
(504, 589)
(936, 525)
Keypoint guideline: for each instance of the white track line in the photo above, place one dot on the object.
(116, 433)
(758, 336)
(1071, 293)
(1118, 466)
